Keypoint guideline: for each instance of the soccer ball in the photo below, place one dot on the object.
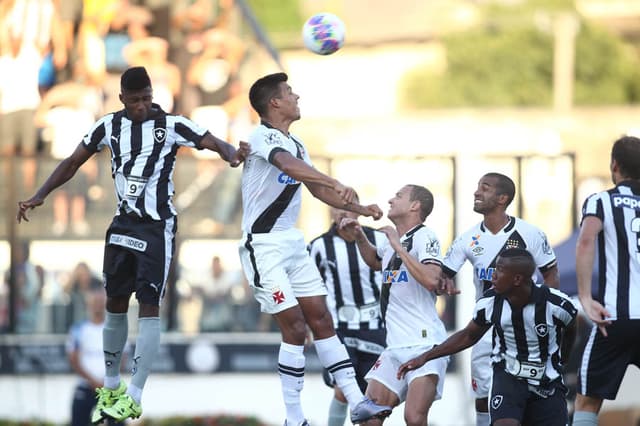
(323, 33)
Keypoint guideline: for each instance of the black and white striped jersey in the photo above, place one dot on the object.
(270, 199)
(529, 337)
(143, 157)
(353, 288)
(481, 247)
(619, 248)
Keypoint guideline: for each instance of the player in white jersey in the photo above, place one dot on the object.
(534, 330)
(411, 266)
(140, 242)
(611, 222)
(273, 253)
(481, 246)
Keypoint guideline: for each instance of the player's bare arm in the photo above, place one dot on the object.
(427, 274)
(226, 151)
(62, 173)
(352, 228)
(457, 342)
(551, 277)
(585, 256)
(302, 172)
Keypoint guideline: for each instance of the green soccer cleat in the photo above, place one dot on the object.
(106, 398)
(124, 408)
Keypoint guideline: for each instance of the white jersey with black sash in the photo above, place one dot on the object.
(527, 339)
(409, 309)
(143, 156)
(271, 199)
(481, 247)
(353, 288)
(619, 248)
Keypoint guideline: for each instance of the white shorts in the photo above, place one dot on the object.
(385, 370)
(481, 370)
(279, 269)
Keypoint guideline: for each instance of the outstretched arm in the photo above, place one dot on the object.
(367, 250)
(457, 342)
(312, 178)
(62, 173)
(227, 151)
(427, 274)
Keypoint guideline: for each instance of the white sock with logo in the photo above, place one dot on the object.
(291, 368)
(334, 357)
(114, 337)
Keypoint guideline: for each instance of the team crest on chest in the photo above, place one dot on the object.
(512, 243)
(496, 401)
(159, 135)
(542, 330)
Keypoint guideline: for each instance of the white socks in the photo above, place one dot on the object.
(334, 357)
(147, 346)
(114, 337)
(291, 368)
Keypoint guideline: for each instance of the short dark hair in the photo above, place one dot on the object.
(504, 186)
(626, 152)
(264, 89)
(424, 197)
(135, 78)
(520, 260)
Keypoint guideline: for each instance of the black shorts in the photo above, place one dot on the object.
(512, 399)
(137, 257)
(364, 348)
(605, 359)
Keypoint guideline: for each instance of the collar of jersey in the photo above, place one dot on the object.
(508, 227)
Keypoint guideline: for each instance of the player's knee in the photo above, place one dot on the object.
(415, 418)
(587, 403)
(321, 325)
(294, 332)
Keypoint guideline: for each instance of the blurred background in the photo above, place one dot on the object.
(432, 92)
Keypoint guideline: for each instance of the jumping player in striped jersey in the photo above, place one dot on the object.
(273, 252)
(481, 246)
(533, 332)
(140, 242)
(610, 222)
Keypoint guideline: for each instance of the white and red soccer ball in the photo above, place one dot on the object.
(323, 33)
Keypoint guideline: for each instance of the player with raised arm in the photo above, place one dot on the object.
(140, 242)
(273, 252)
(533, 332)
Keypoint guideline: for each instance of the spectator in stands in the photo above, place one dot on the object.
(25, 35)
(152, 53)
(189, 20)
(81, 281)
(65, 113)
(216, 297)
(29, 283)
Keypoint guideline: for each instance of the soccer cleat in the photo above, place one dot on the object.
(367, 409)
(303, 423)
(124, 408)
(106, 398)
